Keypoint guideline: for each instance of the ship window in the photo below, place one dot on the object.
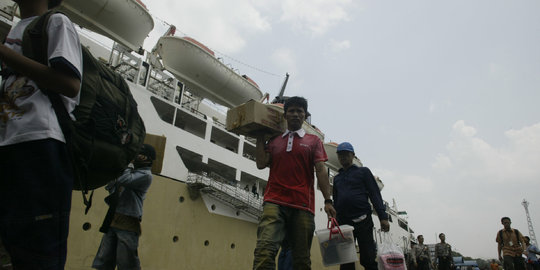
(403, 225)
(249, 151)
(224, 139)
(164, 110)
(190, 123)
(221, 172)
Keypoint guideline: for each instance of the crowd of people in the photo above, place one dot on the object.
(514, 252)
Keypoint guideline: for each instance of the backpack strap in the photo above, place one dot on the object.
(517, 236)
(35, 46)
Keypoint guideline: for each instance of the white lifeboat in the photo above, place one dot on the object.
(127, 22)
(206, 76)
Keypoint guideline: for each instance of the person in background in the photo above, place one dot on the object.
(121, 239)
(254, 191)
(409, 257)
(422, 256)
(512, 244)
(354, 188)
(531, 251)
(289, 198)
(494, 265)
(443, 253)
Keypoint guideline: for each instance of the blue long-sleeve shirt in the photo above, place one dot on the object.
(133, 185)
(352, 189)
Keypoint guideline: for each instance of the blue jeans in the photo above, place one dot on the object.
(118, 248)
(35, 201)
(276, 222)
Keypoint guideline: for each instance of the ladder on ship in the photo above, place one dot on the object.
(239, 199)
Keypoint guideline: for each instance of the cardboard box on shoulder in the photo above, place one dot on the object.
(253, 118)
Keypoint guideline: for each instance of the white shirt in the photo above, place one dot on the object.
(26, 113)
(301, 132)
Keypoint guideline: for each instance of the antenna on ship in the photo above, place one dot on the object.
(525, 204)
(279, 98)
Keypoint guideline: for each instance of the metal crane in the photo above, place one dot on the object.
(525, 204)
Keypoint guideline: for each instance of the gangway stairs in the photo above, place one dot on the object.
(239, 199)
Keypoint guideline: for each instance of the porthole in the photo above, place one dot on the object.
(181, 199)
(86, 226)
(175, 239)
(206, 243)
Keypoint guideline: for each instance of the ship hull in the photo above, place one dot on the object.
(178, 232)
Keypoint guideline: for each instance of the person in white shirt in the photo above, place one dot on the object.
(37, 177)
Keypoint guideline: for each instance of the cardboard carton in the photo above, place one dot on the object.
(253, 118)
(158, 142)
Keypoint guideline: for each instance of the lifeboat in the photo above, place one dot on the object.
(127, 22)
(205, 75)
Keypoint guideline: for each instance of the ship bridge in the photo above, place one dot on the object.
(216, 187)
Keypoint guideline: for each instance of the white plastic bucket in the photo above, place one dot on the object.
(337, 249)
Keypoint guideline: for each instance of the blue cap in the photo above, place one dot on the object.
(345, 146)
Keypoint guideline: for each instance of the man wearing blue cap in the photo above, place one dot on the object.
(353, 186)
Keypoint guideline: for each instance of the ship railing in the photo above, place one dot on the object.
(251, 140)
(219, 124)
(237, 197)
(248, 156)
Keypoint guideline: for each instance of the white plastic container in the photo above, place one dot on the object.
(337, 249)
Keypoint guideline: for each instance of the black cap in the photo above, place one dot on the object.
(54, 3)
(148, 151)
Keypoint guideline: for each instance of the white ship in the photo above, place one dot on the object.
(197, 214)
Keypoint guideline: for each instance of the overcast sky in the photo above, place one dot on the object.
(441, 99)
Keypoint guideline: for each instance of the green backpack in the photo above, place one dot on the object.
(108, 132)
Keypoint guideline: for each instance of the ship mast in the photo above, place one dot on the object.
(525, 204)
(279, 98)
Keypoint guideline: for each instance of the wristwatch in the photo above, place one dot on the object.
(328, 201)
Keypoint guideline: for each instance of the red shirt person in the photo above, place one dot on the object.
(289, 198)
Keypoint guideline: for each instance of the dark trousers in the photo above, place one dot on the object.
(423, 264)
(35, 199)
(513, 263)
(444, 263)
(532, 265)
(363, 233)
